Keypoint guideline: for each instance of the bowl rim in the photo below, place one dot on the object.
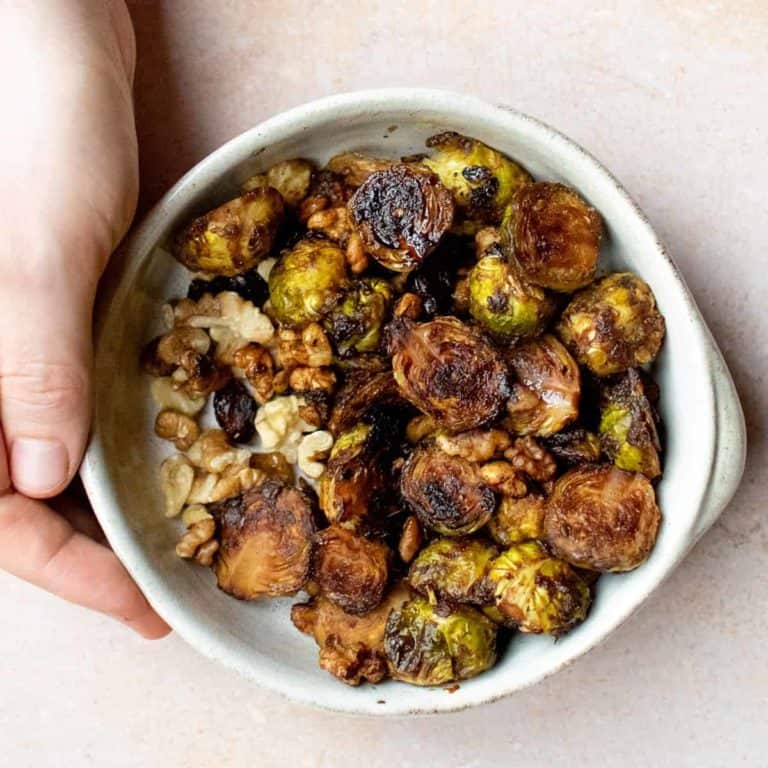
(126, 263)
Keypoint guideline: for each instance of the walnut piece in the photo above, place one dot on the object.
(409, 305)
(280, 427)
(176, 479)
(180, 429)
(526, 455)
(419, 427)
(198, 542)
(410, 539)
(309, 347)
(307, 379)
(334, 223)
(312, 452)
(167, 396)
(213, 453)
(502, 477)
(475, 444)
(357, 258)
(259, 368)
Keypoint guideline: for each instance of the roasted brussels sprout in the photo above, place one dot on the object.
(361, 392)
(448, 371)
(307, 281)
(351, 647)
(434, 645)
(602, 518)
(265, 541)
(553, 235)
(628, 433)
(355, 323)
(504, 305)
(446, 492)
(234, 237)
(536, 592)
(481, 179)
(350, 570)
(613, 325)
(574, 446)
(353, 476)
(546, 387)
(355, 167)
(400, 215)
(517, 520)
(453, 570)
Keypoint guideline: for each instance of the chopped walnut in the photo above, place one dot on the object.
(419, 427)
(259, 367)
(502, 477)
(308, 347)
(334, 223)
(357, 258)
(306, 379)
(312, 452)
(280, 427)
(151, 362)
(487, 241)
(526, 455)
(227, 344)
(474, 445)
(182, 345)
(461, 296)
(180, 429)
(212, 452)
(166, 394)
(310, 206)
(280, 382)
(194, 513)
(410, 305)
(410, 539)
(314, 407)
(198, 542)
(176, 479)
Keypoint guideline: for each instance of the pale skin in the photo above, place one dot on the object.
(68, 159)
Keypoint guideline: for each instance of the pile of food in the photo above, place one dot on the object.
(433, 417)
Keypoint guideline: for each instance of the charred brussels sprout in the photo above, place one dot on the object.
(546, 387)
(506, 306)
(453, 571)
(431, 645)
(517, 520)
(448, 371)
(628, 425)
(613, 325)
(446, 492)
(574, 446)
(353, 476)
(361, 392)
(355, 323)
(265, 541)
(350, 570)
(400, 215)
(307, 281)
(602, 518)
(481, 179)
(234, 237)
(553, 235)
(536, 592)
(355, 167)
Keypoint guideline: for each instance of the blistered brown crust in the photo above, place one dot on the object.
(554, 236)
(546, 387)
(350, 570)
(446, 492)
(265, 542)
(355, 168)
(448, 371)
(401, 214)
(574, 446)
(351, 647)
(602, 518)
(358, 395)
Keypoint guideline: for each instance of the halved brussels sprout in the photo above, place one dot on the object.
(265, 541)
(546, 387)
(504, 304)
(627, 429)
(361, 392)
(355, 323)
(448, 371)
(400, 215)
(353, 476)
(431, 645)
(481, 179)
(602, 518)
(234, 237)
(517, 520)
(307, 281)
(613, 325)
(446, 492)
(355, 167)
(574, 446)
(453, 571)
(350, 570)
(553, 235)
(351, 647)
(536, 592)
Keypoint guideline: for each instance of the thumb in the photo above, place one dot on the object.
(45, 358)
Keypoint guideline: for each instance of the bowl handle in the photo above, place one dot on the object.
(730, 443)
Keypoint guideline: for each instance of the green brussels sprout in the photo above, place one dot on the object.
(481, 179)
(613, 325)
(628, 433)
(453, 571)
(430, 645)
(553, 235)
(601, 518)
(307, 281)
(355, 323)
(506, 306)
(536, 592)
(517, 520)
(234, 237)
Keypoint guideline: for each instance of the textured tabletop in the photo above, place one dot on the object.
(674, 99)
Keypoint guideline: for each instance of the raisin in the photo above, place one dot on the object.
(251, 286)
(235, 411)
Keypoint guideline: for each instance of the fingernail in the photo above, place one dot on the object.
(38, 466)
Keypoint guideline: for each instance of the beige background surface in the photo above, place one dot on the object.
(674, 99)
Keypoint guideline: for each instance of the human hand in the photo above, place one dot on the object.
(68, 160)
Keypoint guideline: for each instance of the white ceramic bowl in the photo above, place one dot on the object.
(705, 449)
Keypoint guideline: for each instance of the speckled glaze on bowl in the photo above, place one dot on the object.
(704, 459)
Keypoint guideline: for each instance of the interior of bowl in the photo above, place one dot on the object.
(121, 468)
